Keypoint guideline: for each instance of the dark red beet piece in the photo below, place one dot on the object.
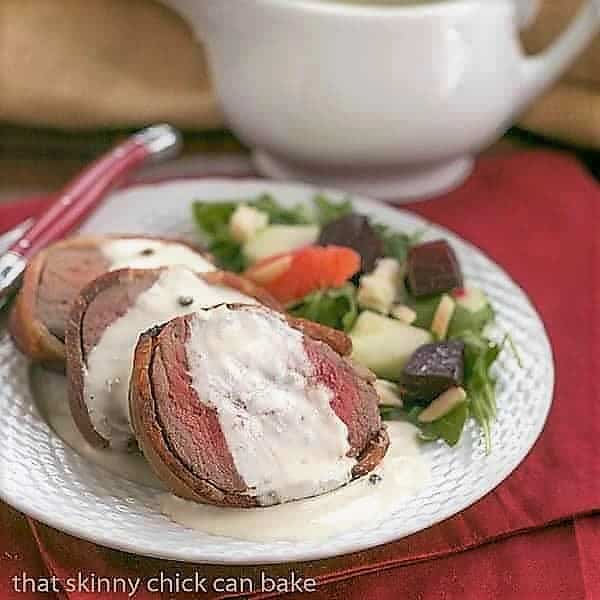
(433, 269)
(432, 369)
(356, 232)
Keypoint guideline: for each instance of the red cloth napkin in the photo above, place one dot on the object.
(535, 536)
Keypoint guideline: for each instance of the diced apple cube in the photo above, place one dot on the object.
(277, 239)
(385, 345)
(246, 221)
(378, 290)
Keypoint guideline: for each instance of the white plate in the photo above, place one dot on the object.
(42, 477)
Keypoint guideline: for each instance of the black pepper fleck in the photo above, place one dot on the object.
(185, 300)
(374, 479)
(147, 252)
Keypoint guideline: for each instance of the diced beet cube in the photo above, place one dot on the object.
(356, 232)
(433, 269)
(432, 369)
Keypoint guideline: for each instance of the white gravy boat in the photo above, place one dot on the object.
(393, 101)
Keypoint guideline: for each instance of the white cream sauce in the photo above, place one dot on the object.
(285, 439)
(50, 392)
(139, 253)
(404, 471)
(106, 379)
(363, 502)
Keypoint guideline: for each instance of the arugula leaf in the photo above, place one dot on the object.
(281, 215)
(323, 211)
(327, 210)
(213, 217)
(425, 309)
(480, 384)
(392, 413)
(467, 320)
(213, 221)
(336, 308)
(514, 349)
(228, 253)
(449, 427)
(479, 351)
(397, 244)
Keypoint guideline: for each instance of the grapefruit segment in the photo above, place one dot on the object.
(293, 275)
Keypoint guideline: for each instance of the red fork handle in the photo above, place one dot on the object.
(79, 198)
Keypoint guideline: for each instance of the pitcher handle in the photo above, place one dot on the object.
(527, 11)
(541, 70)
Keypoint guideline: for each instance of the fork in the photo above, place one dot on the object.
(80, 197)
(8, 238)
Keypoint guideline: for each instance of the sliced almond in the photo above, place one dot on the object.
(443, 404)
(270, 271)
(389, 393)
(404, 313)
(443, 316)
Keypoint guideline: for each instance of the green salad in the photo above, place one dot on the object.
(413, 321)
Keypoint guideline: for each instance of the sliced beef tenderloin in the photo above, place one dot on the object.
(54, 278)
(105, 322)
(242, 406)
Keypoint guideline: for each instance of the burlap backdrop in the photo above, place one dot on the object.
(95, 63)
